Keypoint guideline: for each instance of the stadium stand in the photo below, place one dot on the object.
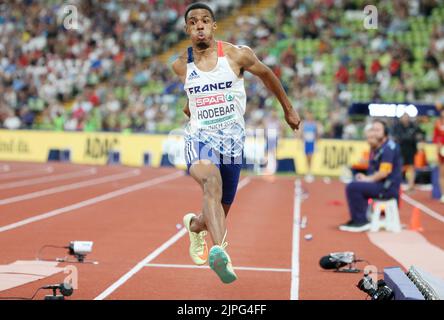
(108, 75)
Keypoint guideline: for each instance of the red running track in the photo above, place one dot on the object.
(128, 224)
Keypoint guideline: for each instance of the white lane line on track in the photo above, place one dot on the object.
(294, 291)
(73, 186)
(422, 207)
(192, 266)
(103, 197)
(27, 173)
(153, 255)
(63, 176)
(141, 264)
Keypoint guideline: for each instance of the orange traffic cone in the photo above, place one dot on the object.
(415, 221)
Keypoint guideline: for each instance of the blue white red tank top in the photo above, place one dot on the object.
(217, 102)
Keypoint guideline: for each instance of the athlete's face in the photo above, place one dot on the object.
(200, 27)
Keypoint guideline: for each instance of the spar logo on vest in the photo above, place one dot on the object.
(211, 87)
(212, 100)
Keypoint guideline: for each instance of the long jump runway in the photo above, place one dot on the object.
(134, 217)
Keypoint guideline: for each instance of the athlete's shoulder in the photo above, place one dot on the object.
(230, 46)
(243, 55)
(232, 49)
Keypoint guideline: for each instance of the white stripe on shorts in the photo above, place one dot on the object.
(188, 152)
(194, 151)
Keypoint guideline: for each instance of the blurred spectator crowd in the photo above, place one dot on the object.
(105, 75)
(95, 77)
(327, 59)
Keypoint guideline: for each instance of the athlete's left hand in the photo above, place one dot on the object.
(293, 119)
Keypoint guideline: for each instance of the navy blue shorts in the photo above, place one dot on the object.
(229, 167)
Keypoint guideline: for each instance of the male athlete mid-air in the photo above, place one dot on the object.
(212, 73)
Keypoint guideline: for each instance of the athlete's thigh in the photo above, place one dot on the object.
(202, 161)
(201, 170)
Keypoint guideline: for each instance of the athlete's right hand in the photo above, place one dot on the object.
(293, 119)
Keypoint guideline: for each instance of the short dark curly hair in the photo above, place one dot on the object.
(199, 5)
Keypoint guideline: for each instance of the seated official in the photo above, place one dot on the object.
(382, 181)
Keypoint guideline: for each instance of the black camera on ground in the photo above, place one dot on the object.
(377, 291)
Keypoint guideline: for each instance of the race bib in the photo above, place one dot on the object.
(215, 112)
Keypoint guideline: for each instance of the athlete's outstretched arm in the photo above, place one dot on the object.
(248, 60)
